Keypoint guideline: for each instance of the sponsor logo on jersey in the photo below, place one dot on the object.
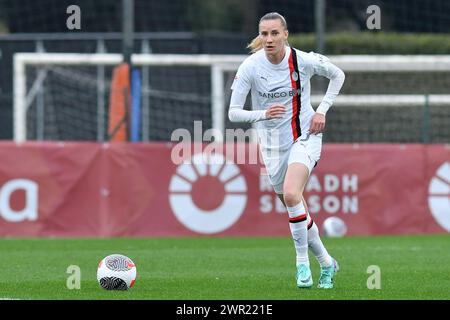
(279, 94)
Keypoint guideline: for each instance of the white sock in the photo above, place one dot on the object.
(299, 231)
(317, 247)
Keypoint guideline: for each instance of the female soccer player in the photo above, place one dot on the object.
(289, 130)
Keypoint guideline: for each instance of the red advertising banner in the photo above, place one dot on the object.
(150, 190)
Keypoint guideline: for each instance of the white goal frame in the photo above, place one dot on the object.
(220, 64)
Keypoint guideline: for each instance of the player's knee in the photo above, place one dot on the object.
(291, 197)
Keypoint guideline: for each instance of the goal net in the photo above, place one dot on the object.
(61, 96)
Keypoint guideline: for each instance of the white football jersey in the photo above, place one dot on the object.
(271, 84)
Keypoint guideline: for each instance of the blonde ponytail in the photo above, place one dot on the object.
(256, 44)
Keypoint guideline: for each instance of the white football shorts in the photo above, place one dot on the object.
(306, 151)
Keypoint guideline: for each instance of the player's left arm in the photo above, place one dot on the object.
(322, 66)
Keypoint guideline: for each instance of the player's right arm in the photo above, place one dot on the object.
(240, 89)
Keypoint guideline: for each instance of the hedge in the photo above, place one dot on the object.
(376, 43)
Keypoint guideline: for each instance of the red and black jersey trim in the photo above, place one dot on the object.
(296, 98)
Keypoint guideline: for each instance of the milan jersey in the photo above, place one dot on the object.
(281, 83)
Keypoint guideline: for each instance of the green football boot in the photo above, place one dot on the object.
(327, 275)
(304, 277)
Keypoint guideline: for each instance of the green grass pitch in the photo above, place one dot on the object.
(411, 267)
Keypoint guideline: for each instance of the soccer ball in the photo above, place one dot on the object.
(334, 227)
(116, 272)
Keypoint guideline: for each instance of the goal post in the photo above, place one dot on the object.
(23, 97)
(215, 79)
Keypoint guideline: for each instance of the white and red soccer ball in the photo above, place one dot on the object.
(116, 272)
(334, 227)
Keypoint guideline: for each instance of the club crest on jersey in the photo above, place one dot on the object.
(294, 76)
